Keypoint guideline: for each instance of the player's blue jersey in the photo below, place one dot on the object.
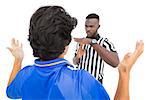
(55, 80)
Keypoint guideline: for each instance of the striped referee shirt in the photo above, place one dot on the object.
(91, 61)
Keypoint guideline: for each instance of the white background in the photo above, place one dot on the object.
(122, 21)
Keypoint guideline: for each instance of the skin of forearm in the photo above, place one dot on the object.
(109, 57)
(122, 92)
(15, 70)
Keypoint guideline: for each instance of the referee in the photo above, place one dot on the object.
(94, 50)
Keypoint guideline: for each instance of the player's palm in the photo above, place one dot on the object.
(16, 49)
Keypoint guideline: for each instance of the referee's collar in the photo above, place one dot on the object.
(97, 37)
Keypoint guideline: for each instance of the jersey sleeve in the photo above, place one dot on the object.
(109, 45)
(93, 89)
(13, 91)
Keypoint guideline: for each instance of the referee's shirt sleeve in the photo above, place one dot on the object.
(109, 45)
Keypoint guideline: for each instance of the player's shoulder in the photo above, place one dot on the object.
(27, 70)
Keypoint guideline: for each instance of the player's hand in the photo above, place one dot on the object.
(130, 58)
(16, 49)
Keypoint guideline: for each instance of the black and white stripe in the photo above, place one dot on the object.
(91, 61)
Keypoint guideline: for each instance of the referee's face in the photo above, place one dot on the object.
(91, 26)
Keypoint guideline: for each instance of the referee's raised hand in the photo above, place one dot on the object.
(83, 40)
(80, 51)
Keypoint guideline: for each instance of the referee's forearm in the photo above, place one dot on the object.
(109, 57)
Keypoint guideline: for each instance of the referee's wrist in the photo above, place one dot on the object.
(93, 42)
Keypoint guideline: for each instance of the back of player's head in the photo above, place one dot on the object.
(50, 31)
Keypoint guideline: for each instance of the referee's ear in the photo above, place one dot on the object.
(98, 27)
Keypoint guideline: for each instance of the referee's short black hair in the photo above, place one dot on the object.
(50, 31)
(92, 15)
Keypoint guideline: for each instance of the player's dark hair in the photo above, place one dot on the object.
(50, 31)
